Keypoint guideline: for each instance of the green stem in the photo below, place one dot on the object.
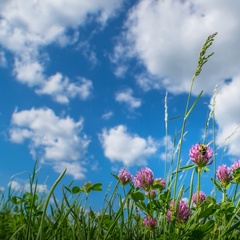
(203, 58)
(224, 194)
(41, 227)
(181, 137)
(235, 193)
(199, 184)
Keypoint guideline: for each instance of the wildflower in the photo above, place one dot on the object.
(183, 211)
(149, 222)
(235, 167)
(198, 197)
(160, 182)
(200, 154)
(224, 175)
(151, 194)
(144, 179)
(124, 176)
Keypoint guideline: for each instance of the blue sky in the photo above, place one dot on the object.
(83, 85)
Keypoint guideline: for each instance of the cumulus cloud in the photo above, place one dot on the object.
(121, 146)
(125, 96)
(166, 36)
(227, 116)
(61, 89)
(21, 29)
(24, 34)
(56, 141)
(25, 187)
(57, 86)
(29, 71)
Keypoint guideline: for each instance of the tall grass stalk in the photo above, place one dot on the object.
(41, 227)
(203, 58)
(166, 134)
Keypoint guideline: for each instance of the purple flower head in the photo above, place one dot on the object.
(144, 179)
(151, 194)
(200, 154)
(235, 167)
(198, 197)
(224, 175)
(124, 176)
(183, 212)
(161, 182)
(149, 222)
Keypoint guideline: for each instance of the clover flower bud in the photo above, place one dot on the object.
(151, 194)
(198, 197)
(149, 222)
(235, 170)
(183, 212)
(224, 175)
(161, 182)
(124, 176)
(144, 179)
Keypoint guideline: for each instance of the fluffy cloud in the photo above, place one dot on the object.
(21, 30)
(166, 37)
(22, 33)
(227, 116)
(29, 72)
(130, 149)
(125, 96)
(61, 89)
(57, 86)
(56, 141)
(25, 187)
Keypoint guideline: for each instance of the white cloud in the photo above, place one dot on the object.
(82, 89)
(29, 71)
(125, 96)
(121, 146)
(61, 89)
(56, 141)
(107, 115)
(22, 33)
(21, 29)
(148, 82)
(166, 37)
(227, 116)
(3, 60)
(25, 187)
(73, 168)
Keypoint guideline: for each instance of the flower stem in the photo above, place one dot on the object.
(224, 194)
(235, 193)
(199, 184)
